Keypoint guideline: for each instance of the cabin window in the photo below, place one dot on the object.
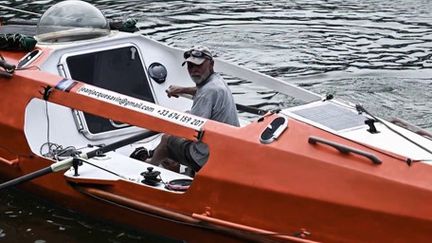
(119, 70)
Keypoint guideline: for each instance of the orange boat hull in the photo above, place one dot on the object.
(248, 191)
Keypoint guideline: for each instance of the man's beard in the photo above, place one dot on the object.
(198, 79)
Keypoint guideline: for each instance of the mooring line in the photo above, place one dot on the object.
(19, 10)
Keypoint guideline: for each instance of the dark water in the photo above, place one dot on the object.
(374, 52)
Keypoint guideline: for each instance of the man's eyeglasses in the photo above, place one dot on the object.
(196, 53)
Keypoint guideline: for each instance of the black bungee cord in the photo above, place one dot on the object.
(361, 109)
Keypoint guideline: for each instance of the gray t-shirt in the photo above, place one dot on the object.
(214, 101)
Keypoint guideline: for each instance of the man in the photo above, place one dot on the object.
(212, 99)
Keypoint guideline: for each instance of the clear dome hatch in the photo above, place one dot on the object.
(71, 20)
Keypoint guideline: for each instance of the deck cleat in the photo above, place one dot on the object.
(151, 177)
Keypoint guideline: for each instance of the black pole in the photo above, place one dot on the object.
(119, 144)
(240, 107)
(68, 162)
(251, 109)
(27, 177)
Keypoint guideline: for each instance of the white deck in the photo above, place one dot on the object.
(129, 169)
(349, 124)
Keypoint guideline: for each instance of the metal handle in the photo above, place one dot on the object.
(345, 149)
(8, 157)
(10, 162)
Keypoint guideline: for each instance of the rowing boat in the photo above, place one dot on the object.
(82, 109)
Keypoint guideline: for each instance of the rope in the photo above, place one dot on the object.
(21, 11)
(362, 109)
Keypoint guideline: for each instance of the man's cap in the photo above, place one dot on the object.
(197, 55)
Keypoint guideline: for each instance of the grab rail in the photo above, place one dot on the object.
(345, 149)
(9, 161)
(8, 157)
(248, 234)
(250, 229)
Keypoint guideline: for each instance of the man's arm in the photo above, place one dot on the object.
(175, 91)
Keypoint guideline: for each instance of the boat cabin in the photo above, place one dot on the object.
(85, 49)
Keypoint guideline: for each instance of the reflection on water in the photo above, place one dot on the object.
(24, 219)
(374, 52)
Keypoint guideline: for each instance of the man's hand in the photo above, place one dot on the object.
(174, 91)
(171, 165)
